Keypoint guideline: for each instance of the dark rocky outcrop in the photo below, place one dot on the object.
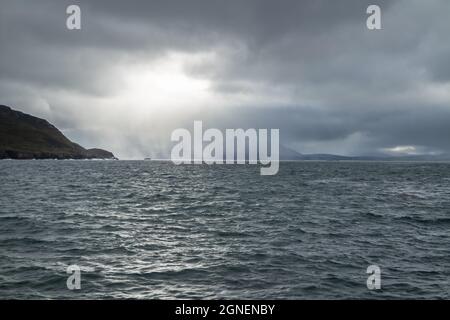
(23, 136)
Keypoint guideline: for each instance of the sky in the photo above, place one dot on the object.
(137, 70)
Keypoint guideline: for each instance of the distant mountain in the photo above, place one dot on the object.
(23, 136)
(289, 154)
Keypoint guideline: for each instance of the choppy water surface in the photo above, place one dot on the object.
(145, 229)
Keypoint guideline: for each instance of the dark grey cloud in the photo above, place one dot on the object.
(310, 68)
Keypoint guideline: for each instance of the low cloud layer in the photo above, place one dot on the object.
(138, 69)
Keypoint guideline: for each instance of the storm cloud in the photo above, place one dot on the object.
(138, 69)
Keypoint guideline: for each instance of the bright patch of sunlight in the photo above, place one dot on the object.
(163, 85)
(401, 150)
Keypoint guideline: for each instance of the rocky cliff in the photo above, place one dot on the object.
(23, 136)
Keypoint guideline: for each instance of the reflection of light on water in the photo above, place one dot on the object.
(220, 232)
(411, 191)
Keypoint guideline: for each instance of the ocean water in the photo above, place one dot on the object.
(146, 229)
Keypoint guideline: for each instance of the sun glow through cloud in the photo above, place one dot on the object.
(164, 85)
(410, 150)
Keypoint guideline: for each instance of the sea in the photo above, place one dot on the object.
(155, 230)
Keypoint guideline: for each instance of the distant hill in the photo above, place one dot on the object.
(23, 136)
(289, 154)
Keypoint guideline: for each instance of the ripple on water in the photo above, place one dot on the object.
(155, 230)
